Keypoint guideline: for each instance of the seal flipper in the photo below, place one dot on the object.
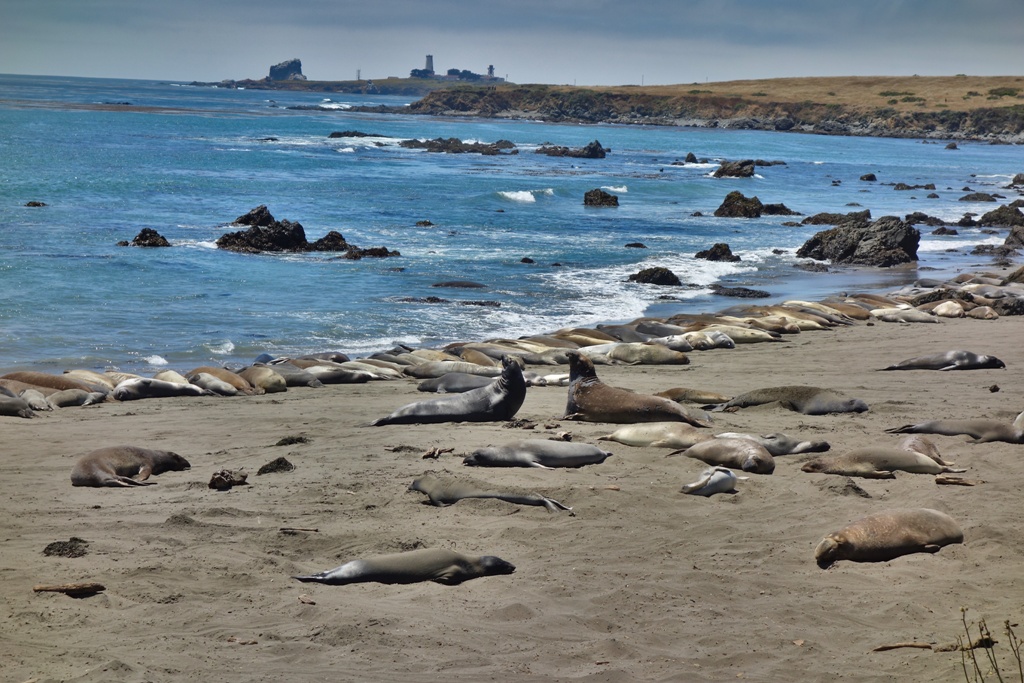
(118, 480)
(553, 505)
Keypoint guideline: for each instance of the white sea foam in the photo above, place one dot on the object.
(942, 245)
(224, 348)
(156, 360)
(621, 189)
(524, 196)
(346, 150)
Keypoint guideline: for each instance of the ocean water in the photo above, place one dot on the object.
(187, 161)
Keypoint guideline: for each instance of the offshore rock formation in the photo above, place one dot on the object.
(658, 275)
(147, 237)
(736, 205)
(884, 243)
(457, 146)
(266, 234)
(290, 70)
(598, 197)
(593, 150)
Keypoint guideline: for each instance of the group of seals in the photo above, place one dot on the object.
(124, 466)
(430, 564)
(887, 535)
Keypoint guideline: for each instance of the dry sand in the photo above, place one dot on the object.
(641, 582)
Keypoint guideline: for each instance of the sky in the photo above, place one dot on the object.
(582, 42)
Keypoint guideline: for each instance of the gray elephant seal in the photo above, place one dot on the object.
(499, 400)
(981, 430)
(212, 384)
(887, 535)
(543, 453)
(454, 383)
(802, 399)
(780, 444)
(688, 395)
(442, 492)
(124, 466)
(144, 387)
(743, 454)
(75, 397)
(15, 406)
(674, 435)
(713, 480)
(430, 564)
(950, 360)
(592, 400)
(877, 462)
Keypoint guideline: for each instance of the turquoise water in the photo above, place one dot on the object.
(187, 161)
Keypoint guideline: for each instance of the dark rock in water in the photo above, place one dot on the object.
(945, 231)
(73, 547)
(423, 300)
(527, 260)
(656, 276)
(691, 158)
(869, 177)
(994, 250)
(276, 465)
(718, 252)
(740, 292)
(736, 205)
(259, 216)
(485, 304)
(773, 162)
(355, 253)
(967, 221)
(1015, 239)
(460, 284)
(593, 150)
(636, 245)
(147, 237)
(837, 218)
(978, 197)
(35, 204)
(598, 197)
(812, 266)
(904, 186)
(778, 210)
(735, 169)
(886, 242)
(266, 234)
(332, 241)
(457, 146)
(1003, 217)
(424, 224)
(952, 145)
(1017, 181)
(288, 70)
(352, 134)
(919, 217)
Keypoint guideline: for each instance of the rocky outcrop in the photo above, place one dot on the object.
(266, 234)
(1006, 216)
(718, 252)
(457, 146)
(978, 197)
(290, 70)
(826, 218)
(593, 150)
(736, 205)
(656, 276)
(884, 243)
(147, 237)
(598, 197)
(735, 169)
(740, 292)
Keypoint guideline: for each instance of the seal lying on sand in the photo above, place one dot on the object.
(744, 454)
(124, 466)
(658, 435)
(713, 480)
(15, 406)
(802, 399)
(543, 453)
(950, 360)
(430, 564)
(144, 387)
(442, 492)
(499, 400)
(592, 400)
(887, 535)
(877, 462)
(982, 430)
(781, 444)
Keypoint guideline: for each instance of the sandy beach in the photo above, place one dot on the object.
(639, 582)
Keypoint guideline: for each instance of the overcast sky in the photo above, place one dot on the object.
(586, 42)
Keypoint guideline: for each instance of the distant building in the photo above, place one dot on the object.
(454, 74)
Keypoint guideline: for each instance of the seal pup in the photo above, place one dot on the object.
(591, 400)
(35, 399)
(674, 435)
(443, 492)
(781, 444)
(925, 446)
(713, 480)
(427, 564)
(981, 430)
(887, 535)
(433, 369)
(743, 454)
(950, 360)
(877, 462)
(802, 399)
(542, 453)
(75, 397)
(499, 400)
(124, 466)
(144, 387)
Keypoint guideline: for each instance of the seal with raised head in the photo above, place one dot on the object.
(743, 454)
(713, 480)
(499, 400)
(124, 466)
(443, 492)
(781, 444)
(887, 535)
(542, 453)
(802, 399)
(981, 430)
(591, 400)
(428, 564)
(950, 360)
(877, 462)
(658, 435)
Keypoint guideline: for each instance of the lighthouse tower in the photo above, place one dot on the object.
(430, 64)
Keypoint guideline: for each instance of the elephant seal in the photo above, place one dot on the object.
(674, 435)
(802, 399)
(454, 383)
(59, 382)
(981, 430)
(713, 480)
(922, 444)
(688, 395)
(293, 375)
(638, 353)
(75, 397)
(35, 399)
(591, 400)
(434, 369)
(442, 492)
(950, 360)
(781, 444)
(887, 535)
(903, 315)
(226, 375)
(499, 400)
(429, 564)
(265, 377)
(743, 454)
(212, 384)
(144, 387)
(542, 453)
(124, 466)
(15, 406)
(877, 462)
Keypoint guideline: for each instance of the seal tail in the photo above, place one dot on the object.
(311, 578)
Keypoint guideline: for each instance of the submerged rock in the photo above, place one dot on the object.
(656, 276)
(718, 252)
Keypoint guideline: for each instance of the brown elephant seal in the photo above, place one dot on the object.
(499, 400)
(59, 382)
(454, 383)
(675, 435)
(124, 466)
(981, 430)
(922, 444)
(713, 480)
(212, 384)
(887, 535)
(443, 492)
(76, 397)
(802, 399)
(225, 375)
(781, 444)
(542, 453)
(877, 462)
(264, 377)
(950, 360)
(591, 400)
(145, 387)
(743, 454)
(429, 564)
(688, 395)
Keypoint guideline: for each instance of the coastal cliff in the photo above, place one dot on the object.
(954, 108)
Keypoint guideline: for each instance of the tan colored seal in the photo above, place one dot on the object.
(430, 564)
(887, 535)
(981, 430)
(124, 466)
(45, 379)
(232, 378)
(877, 462)
(447, 491)
(802, 399)
(743, 454)
(674, 435)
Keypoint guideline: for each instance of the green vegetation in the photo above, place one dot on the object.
(759, 94)
(698, 92)
(1003, 92)
(895, 93)
(910, 98)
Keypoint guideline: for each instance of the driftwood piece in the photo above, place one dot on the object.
(72, 589)
(957, 481)
(896, 646)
